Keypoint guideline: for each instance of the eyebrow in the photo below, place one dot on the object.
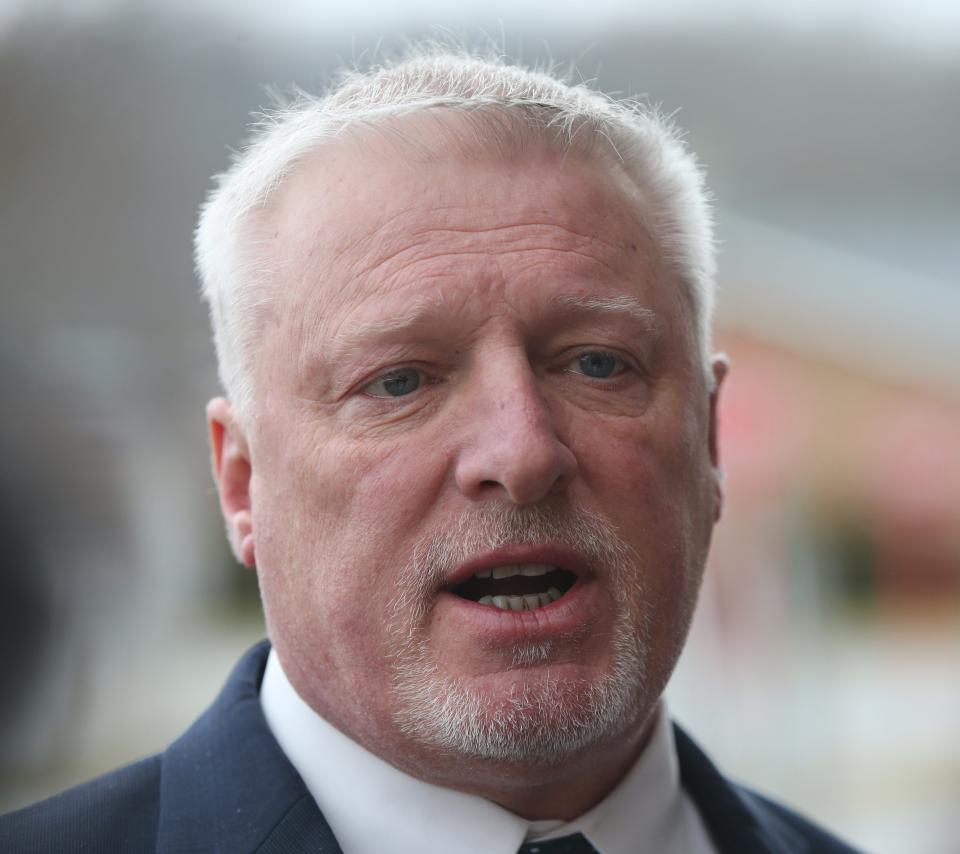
(622, 306)
(422, 313)
(425, 312)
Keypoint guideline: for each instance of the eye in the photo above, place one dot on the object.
(398, 383)
(597, 364)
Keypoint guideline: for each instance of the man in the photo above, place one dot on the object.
(462, 317)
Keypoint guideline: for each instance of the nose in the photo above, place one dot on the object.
(511, 447)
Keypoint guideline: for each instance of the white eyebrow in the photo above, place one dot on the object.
(351, 340)
(354, 338)
(428, 309)
(622, 305)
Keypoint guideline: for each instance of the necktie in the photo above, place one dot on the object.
(573, 844)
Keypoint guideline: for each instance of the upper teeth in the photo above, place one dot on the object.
(511, 569)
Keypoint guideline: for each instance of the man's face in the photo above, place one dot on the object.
(473, 368)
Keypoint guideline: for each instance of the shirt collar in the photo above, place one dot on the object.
(646, 810)
(408, 814)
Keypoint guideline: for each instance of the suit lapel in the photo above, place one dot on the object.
(226, 786)
(737, 820)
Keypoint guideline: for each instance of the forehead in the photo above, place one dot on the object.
(370, 220)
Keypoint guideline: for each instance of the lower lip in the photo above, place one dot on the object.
(572, 612)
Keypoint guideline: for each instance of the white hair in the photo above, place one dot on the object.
(506, 107)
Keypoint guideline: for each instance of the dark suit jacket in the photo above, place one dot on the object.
(225, 786)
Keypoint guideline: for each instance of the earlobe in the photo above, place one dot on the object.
(720, 366)
(232, 472)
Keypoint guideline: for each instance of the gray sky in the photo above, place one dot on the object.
(917, 24)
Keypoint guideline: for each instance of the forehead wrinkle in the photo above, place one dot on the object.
(496, 256)
(554, 237)
(374, 233)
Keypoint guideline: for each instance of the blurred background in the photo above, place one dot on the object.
(824, 666)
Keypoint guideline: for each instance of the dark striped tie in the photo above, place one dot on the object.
(574, 844)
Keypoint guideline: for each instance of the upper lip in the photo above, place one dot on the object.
(559, 556)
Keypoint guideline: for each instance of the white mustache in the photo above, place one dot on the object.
(436, 556)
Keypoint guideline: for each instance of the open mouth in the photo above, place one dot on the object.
(517, 587)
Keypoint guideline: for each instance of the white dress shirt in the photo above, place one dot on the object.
(373, 807)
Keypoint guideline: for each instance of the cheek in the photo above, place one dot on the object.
(385, 493)
(654, 492)
(653, 480)
(341, 517)
(633, 465)
(320, 556)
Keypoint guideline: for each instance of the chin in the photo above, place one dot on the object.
(539, 715)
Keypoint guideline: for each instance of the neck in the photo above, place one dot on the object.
(558, 792)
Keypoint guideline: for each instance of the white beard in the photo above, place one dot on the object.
(546, 718)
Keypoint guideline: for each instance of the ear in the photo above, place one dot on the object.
(231, 470)
(720, 365)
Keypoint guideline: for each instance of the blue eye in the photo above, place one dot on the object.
(396, 383)
(598, 365)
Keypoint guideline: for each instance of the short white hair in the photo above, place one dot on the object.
(506, 106)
